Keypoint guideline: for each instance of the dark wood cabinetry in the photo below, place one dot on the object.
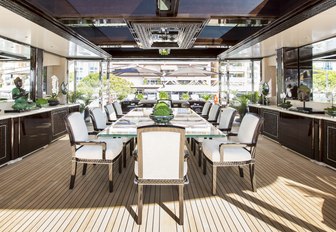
(329, 143)
(297, 133)
(57, 121)
(5, 139)
(34, 132)
(271, 123)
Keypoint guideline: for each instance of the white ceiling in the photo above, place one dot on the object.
(17, 28)
(317, 28)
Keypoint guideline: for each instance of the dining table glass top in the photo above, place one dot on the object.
(195, 125)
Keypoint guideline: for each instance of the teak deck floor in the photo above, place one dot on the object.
(294, 194)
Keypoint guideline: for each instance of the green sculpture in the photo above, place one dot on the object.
(20, 96)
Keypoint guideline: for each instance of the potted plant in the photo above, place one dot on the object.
(163, 95)
(53, 100)
(162, 113)
(185, 96)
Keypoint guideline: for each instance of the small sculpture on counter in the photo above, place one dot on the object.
(21, 97)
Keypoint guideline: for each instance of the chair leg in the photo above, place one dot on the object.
(124, 153)
(73, 174)
(241, 171)
(110, 171)
(204, 165)
(84, 169)
(200, 153)
(214, 179)
(140, 199)
(181, 206)
(120, 162)
(131, 146)
(253, 177)
(193, 142)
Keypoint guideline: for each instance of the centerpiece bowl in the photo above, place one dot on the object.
(161, 119)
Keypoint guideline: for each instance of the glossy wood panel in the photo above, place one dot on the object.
(5, 141)
(57, 122)
(296, 132)
(34, 132)
(329, 143)
(271, 123)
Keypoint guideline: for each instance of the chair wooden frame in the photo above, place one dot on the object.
(141, 181)
(76, 145)
(250, 147)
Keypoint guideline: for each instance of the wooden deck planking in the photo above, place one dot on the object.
(293, 194)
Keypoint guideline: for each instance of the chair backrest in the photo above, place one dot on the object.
(117, 108)
(226, 118)
(249, 129)
(206, 108)
(98, 119)
(214, 112)
(76, 127)
(110, 113)
(160, 152)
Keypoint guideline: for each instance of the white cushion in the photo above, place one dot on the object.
(100, 118)
(117, 108)
(206, 108)
(185, 166)
(231, 154)
(213, 113)
(78, 127)
(113, 149)
(111, 113)
(247, 128)
(225, 117)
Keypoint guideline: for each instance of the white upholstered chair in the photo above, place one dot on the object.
(86, 151)
(205, 110)
(99, 122)
(110, 113)
(160, 160)
(225, 121)
(117, 109)
(237, 152)
(214, 113)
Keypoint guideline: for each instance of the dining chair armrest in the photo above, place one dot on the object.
(233, 145)
(94, 143)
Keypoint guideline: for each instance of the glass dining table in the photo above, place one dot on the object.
(195, 126)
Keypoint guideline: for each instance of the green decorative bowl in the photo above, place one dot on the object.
(161, 119)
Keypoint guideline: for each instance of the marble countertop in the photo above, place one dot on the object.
(273, 107)
(36, 111)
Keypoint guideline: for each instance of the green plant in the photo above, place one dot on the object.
(162, 109)
(41, 102)
(139, 96)
(240, 104)
(163, 95)
(206, 97)
(185, 96)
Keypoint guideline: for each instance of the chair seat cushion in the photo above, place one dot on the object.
(113, 149)
(231, 154)
(184, 171)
